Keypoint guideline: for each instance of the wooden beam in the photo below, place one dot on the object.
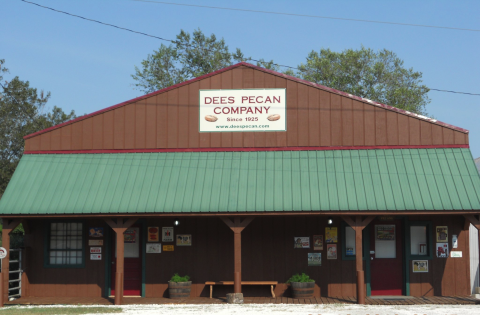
(359, 259)
(128, 223)
(228, 222)
(237, 226)
(473, 220)
(349, 221)
(119, 228)
(243, 214)
(11, 224)
(111, 223)
(8, 226)
(367, 221)
(246, 222)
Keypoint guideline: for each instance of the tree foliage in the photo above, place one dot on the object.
(22, 112)
(379, 76)
(189, 57)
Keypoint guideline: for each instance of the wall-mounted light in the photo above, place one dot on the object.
(329, 221)
(176, 222)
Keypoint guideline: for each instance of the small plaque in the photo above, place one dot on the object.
(95, 256)
(3, 252)
(95, 232)
(420, 265)
(154, 248)
(385, 218)
(95, 250)
(456, 254)
(95, 242)
(168, 248)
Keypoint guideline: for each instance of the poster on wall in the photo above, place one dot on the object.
(95, 232)
(154, 248)
(349, 251)
(385, 232)
(442, 250)
(184, 240)
(167, 234)
(130, 236)
(420, 265)
(331, 251)
(242, 110)
(442, 234)
(318, 242)
(301, 242)
(153, 232)
(314, 259)
(331, 235)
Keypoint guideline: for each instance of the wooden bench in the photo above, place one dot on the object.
(270, 283)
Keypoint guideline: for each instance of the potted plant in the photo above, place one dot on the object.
(179, 287)
(302, 286)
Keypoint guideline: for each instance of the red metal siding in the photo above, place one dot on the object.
(314, 118)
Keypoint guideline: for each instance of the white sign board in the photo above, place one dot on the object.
(456, 254)
(95, 256)
(3, 252)
(167, 234)
(95, 250)
(243, 110)
(154, 248)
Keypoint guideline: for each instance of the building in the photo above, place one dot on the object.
(308, 170)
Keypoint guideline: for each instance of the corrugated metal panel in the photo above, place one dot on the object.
(474, 270)
(347, 180)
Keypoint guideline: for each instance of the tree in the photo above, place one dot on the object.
(189, 57)
(22, 112)
(379, 76)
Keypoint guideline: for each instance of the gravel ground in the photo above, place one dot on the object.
(290, 309)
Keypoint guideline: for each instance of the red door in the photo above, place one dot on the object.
(132, 282)
(386, 261)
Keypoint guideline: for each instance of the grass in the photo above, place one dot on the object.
(14, 310)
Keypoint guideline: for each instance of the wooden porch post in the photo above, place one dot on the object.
(8, 227)
(120, 227)
(358, 225)
(237, 227)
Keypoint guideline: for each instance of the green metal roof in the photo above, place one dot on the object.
(340, 180)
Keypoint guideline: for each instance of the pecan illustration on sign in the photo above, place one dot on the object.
(211, 118)
(273, 117)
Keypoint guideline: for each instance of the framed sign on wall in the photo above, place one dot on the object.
(243, 110)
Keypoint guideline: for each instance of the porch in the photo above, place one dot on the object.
(397, 300)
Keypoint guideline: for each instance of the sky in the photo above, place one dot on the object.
(87, 66)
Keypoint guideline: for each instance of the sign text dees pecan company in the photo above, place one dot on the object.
(243, 110)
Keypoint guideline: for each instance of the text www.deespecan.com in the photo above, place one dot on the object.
(242, 126)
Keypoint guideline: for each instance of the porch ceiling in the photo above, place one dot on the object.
(274, 181)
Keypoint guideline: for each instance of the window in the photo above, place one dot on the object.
(420, 241)
(349, 241)
(65, 244)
